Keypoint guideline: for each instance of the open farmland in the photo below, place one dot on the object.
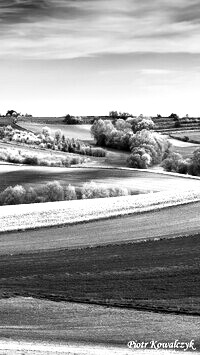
(81, 326)
(141, 181)
(186, 149)
(101, 263)
(156, 275)
(192, 136)
(114, 157)
(153, 275)
(71, 131)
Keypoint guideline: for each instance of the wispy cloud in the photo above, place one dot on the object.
(75, 28)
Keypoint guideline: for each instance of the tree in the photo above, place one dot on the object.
(147, 148)
(12, 195)
(46, 131)
(171, 162)
(174, 116)
(70, 193)
(113, 114)
(139, 123)
(12, 113)
(100, 130)
(72, 120)
(58, 136)
(195, 160)
(53, 191)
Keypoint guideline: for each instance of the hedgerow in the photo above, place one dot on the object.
(20, 156)
(176, 163)
(54, 191)
(45, 140)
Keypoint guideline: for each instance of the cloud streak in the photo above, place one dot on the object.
(61, 29)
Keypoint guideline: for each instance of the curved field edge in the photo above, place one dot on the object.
(85, 329)
(161, 276)
(22, 217)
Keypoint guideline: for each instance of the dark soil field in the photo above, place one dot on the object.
(138, 180)
(160, 275)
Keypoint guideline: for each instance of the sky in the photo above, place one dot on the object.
(88, 57)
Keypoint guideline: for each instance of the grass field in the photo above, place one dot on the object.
(71, 323)
(143, 181)
(114, 157)
(72, 131)
(194, 136)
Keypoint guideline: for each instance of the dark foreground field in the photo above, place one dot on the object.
(155, 275)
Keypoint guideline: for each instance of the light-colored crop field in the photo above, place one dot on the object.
(68, 212)
(192, 135)
(81, 132)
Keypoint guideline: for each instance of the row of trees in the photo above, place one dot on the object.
(45, 139)
(54, 191)
(13, 113)
(22, 156)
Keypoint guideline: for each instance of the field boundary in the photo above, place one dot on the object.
(51, 214)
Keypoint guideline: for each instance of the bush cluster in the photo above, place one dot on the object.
(147, 149)
(133, 134)
(19, 156)
(54, 191)
(73, 120)
(176, 163)
(114, 135)
(118, 133)
(45, 140)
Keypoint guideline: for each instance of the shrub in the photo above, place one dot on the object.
(195, 162)
(70, 193)
(46, 131)
(186, 139)
(13, 195)
(141, 123)
(177, 124)
(118, 191)
(72, 120)
(183, 166)
(30, 196)
(58, 136)
(31, 160)
(25, 157)
(93, 190)
(147, 148)
(53, 191)
(171, 162)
